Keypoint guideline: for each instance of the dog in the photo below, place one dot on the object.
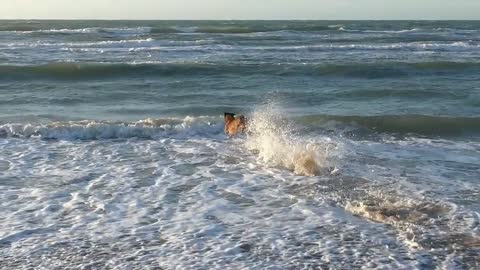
(235, 125)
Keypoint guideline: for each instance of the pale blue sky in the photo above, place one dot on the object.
(240, 9)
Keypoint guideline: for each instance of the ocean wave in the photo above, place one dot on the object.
(208, 29)
(65, 31)
(404, 124)
(86, 30)
(32, 30)
(75, 70)
(415, 30)
(229, 28)
(366, 46)
(262, 126)
(97, 130)
(125, 30)
(390, 31)
(70, 70)
(448, 29)
(215, 45)
(240, 29)
(16, 45)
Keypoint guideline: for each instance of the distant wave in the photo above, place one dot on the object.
(257, 29)
(239, 29)
(370, 46)
(72, 70)
(243, 29)
(204, 45)
(81, 44)
(404, 124)
(18, 28)
(65, 31)
(391, 31)
(233, 29)
(29, 29)
(228, 28)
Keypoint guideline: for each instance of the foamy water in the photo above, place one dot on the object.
(106, 195)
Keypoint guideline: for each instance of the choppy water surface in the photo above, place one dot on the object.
(363, 148)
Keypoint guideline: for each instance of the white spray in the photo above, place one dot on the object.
(272, 137)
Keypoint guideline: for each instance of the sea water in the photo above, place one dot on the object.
(363, 147)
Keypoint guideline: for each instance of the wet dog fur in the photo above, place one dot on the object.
(235, 125)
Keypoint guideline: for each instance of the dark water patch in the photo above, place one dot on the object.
(397, 69)
(17, 28)
(66, 101)
(446, 65)
(369, 94)
(260, 28)
(135, 111)
(405, 124)
(78, 71)
(164, 30)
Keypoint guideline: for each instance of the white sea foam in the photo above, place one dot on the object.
(66, 31)
(16, 45)
(89, 30)
(276, 144)
(366, 46)
(195, 203)
(150, 44)
(197, 199)
(93, 130)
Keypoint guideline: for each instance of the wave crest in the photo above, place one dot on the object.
(98, 130)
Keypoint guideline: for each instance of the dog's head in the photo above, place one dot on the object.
(235, 125)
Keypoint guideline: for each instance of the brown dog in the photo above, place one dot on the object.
(235, 125)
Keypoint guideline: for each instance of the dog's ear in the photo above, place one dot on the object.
(229, 117)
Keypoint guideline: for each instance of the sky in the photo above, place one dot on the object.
(241, 9)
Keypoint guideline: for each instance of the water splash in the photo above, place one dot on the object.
(273, 138)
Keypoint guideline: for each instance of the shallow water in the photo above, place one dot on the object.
(363, 148)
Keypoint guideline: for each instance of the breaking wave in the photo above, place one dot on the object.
(269, 132)
(100, 130)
